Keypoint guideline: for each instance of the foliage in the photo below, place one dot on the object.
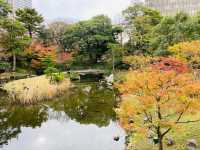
(54, 74)
(5, 9)
(140, 21)
(13, 40)
(188, 52)
(138, 61)
(44, 35)
(170, 64)
(74, 76)
(57, 77)
(91, 38)
(4, 65)
(38, 52)
(155, 102)
(47, 62)
(30, 18)
(175, 29)
(116, 52)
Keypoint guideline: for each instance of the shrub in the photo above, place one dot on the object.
(170, 64)
(54, 75)
(138, 62)
(4, 65)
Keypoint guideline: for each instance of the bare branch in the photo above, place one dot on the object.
(166, 132)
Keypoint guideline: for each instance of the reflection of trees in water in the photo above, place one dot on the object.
(12, 118)
(86, 104)
(90, 104)
(6, 132)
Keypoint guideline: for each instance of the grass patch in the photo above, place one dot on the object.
(180, 137)
(36, 89)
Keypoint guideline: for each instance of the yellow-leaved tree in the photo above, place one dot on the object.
(188, 51)
(155, 102)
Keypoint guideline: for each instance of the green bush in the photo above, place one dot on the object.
(55, 75)
(4, 65)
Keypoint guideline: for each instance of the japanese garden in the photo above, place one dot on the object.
(95, 84)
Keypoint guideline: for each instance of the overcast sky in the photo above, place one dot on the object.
(79, 9)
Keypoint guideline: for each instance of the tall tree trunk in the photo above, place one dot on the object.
(14, 62)
(30, 32)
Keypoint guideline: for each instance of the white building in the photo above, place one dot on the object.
(171, 7)
(19, 4)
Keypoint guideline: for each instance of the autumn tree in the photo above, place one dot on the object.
(30, 18)
(13, 39)
(188, 52)
(37, 52)
(156, 102)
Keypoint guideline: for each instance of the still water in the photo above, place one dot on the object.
(83, 119)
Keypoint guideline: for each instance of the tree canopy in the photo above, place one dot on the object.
(30, 18)
(139, 23)
(156, 102)
(92, 37)
(13, 39)
(5, 9)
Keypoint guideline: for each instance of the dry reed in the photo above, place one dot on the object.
(36, 89)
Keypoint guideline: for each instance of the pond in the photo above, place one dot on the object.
(83, 119)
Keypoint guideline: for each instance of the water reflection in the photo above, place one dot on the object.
(80, 120)
(13, 118)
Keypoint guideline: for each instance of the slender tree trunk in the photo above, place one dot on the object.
(30, 32)
(160, 138)
(14, 62)
(113, 63)
(159, 133)
(160, 144)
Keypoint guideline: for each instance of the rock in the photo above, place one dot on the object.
(87, 89)
(110, 79)
(116, 138)
(170, 142)
(192, 144)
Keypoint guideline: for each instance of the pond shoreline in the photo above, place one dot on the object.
(85, 111)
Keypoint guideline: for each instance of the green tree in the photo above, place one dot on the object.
(45, 36)
(139, 22)
(30, 18)
(92, 37)
(172, 30)
(13, 40)
(117, 54)
(5, 9)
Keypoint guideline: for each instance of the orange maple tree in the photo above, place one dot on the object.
(38, 51)
(155, 101)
